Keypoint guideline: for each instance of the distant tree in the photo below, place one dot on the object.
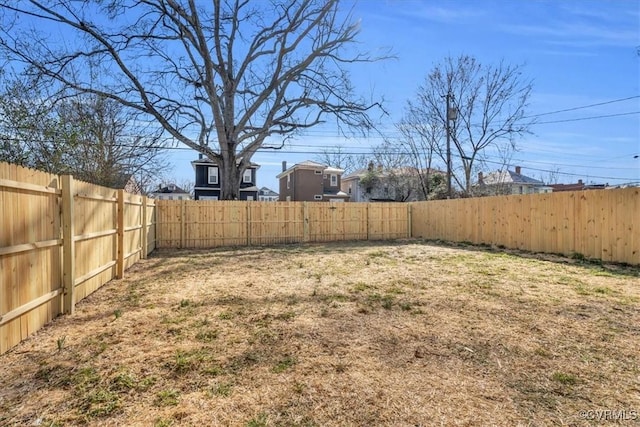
(491, 102)
(392, 175)
(337, 157)
(552, 176)
(91, 137)
(219, 76)
(421, 136)
(109, 144)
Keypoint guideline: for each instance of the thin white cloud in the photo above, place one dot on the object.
(576, 34)
(443, 13)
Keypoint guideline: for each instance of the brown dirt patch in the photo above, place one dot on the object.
(407, 333)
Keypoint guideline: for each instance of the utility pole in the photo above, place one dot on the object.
(452, 114)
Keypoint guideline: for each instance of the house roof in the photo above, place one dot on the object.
(264, 191)
(208, 161)
(576, 187)
(336, 193)
(168, 190)
(509, 177)
(309, 164)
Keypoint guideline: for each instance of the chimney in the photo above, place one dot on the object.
(480, 178)
(580, 182)
(518, 169)
(284, 165)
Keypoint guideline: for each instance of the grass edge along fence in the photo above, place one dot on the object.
(60, 240)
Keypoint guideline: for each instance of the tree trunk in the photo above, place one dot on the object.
(467, 178)
(230, 185)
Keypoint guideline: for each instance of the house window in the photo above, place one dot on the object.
(334, 180)
(288, 182)
(213, 175)
(317, 197)
(288, 198)
(246, 177)
(249, 198)
(318, 172)
(208, 197)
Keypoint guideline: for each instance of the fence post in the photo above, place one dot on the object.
(120, 234)
(368, 222)
(68, 246)
(409, 219)
(143, 237)
(183, 209)
(248, 216)
(305, 222)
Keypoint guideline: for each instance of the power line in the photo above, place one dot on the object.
(582, 107)
(589, 118)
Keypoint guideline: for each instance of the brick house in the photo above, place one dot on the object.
(311, 181)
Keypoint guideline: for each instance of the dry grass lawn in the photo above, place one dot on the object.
(397, 334)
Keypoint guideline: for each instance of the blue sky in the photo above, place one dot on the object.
(577, 53)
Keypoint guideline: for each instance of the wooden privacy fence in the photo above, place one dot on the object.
(206, 224)
(599, 224)
(60, 240)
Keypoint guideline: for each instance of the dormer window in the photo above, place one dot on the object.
(246, 176)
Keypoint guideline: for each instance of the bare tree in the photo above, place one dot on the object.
(490, 101)
(339, 158)
(109, 146)
(219, 77)
(421, 136)
(390, 175)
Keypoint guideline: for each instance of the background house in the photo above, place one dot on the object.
(209, 183)
(376, 184)
(170, 192)
(509, 182)
(267, 195)
(578, 186)
(311, 181)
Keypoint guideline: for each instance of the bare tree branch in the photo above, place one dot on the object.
(218, 77)
(490, 102)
